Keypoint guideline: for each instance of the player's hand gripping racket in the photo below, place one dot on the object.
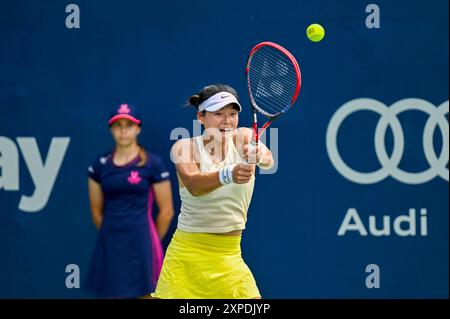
(274, 80)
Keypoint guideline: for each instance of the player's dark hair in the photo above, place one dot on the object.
(208, 91)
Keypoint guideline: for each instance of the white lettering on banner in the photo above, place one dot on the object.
(373, 19)
(43, 173)
(73, 19)
(73, 279)
(403, 225)
(9, 165)
(373, 279)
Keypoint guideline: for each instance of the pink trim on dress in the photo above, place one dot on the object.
(157, 250)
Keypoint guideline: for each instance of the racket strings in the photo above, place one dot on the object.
(272, 79)
(268, 84)
(267, 90)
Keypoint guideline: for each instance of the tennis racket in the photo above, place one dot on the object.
(274, 80)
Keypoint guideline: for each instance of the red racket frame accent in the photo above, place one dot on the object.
(285, 52)
(257, 134)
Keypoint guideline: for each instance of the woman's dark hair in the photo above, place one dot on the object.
(208, 91)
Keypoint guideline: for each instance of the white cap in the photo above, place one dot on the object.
(218, 101)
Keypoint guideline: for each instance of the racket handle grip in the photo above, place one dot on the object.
(260, 134)
(251, 146)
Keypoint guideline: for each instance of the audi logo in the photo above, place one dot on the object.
(388, 117)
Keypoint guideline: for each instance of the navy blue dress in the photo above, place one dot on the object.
(127, 257)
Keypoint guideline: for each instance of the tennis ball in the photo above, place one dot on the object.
(315, 32)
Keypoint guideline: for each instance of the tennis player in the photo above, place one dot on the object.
(204, 258)
(123, 184)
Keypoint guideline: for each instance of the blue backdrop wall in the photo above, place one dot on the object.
(314, 238)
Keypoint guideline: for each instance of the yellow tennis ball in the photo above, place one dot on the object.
(315, 32)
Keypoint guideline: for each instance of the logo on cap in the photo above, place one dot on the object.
(124, 109)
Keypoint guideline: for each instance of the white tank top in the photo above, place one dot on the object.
(222, 210)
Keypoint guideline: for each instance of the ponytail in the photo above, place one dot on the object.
(143, 156)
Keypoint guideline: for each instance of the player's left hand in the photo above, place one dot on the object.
(253, 154)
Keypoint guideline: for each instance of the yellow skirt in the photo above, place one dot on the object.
(205, 266)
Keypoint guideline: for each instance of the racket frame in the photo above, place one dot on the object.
(255, 108)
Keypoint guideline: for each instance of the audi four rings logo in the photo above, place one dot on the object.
(390, 165)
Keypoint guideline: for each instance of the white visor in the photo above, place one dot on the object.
(218, 101)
